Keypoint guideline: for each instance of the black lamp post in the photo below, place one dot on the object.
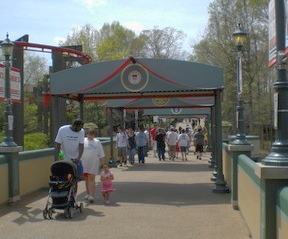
(279, 151)
(240, 37)
(7, 48)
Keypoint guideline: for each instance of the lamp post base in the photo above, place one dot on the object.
(220, 186)
(8, 143)
(278, 156)
(240, 140)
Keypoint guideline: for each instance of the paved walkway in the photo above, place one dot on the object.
(155, 200)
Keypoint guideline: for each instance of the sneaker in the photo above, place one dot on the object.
(91, 199)
(197, 157)
(86, 197)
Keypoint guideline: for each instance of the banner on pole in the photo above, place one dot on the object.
(15, 83)
(272, 32)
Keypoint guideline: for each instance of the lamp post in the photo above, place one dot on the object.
(279, 151)
(240, 37)
(7, 48)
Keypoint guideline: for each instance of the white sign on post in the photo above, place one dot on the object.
(15, 83)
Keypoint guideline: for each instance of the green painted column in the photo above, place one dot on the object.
(220, 184)
(272, 179)
(236, 150)
(11, 155)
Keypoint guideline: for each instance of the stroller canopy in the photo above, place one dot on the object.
(63, 167)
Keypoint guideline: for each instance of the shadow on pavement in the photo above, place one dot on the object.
(168, 194)
(170, 166)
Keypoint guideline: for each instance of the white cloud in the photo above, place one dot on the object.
(92, 3)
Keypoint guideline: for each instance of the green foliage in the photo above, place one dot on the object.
(87, 37)
(36, 141)
(110, 49)
(30, 118)
(217, 48)
(115, 42)
(1, 136)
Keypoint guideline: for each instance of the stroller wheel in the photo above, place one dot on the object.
(81, 207)
(50, 213)
(45, 213)
(68, 212)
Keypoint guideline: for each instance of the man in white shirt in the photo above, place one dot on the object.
(172, 138)
(121, 145)
(70, 140)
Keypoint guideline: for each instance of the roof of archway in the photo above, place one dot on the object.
(130, 78)
(157, 103)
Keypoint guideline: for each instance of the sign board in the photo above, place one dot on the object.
(15, 83)
(272, 32)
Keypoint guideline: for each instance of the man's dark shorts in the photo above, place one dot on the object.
(199, 148)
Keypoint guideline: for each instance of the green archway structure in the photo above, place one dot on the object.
(139, 79)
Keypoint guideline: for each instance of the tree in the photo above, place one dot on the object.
(164, 43)
(115, 42)
(34, 68)
(87, 37)
(217, 48)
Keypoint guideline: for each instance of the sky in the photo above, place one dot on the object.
(48, 21)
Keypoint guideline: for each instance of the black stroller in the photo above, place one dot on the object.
(62, 187)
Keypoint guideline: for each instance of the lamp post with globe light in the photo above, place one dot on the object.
(240, 37)
(8, 141)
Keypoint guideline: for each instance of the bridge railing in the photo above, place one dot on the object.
(260, 192)
(34, 170)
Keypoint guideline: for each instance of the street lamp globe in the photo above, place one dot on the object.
(7, 46)
(240, 37)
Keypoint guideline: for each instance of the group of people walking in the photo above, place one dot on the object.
(88, 155)
(87, 152)
(128, 143)
(177, 141)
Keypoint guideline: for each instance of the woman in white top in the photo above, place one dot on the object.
(92, 159)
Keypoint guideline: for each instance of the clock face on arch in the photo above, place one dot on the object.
(176, 110)
(160, 101)
(134, 78)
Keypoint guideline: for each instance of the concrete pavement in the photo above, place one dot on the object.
(154, 200)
